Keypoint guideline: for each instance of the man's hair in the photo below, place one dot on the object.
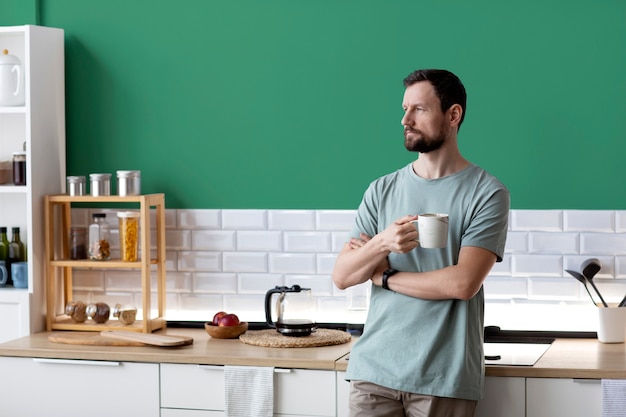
(448, 87)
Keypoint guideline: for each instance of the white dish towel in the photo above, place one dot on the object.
(249, 391)
(613, 397)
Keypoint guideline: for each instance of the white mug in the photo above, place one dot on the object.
(432, 229)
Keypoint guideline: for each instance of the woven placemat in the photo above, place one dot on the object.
(271, 338)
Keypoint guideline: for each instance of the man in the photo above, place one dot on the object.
(421, 352)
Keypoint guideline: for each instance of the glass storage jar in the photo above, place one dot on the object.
(78, 243)
(19, 168)
(129, 235)
(99, 246)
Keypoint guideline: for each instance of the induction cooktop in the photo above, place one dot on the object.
(514, 354)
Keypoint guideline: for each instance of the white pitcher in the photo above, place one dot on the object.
(11, 80)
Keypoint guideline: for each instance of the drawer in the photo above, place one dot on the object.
(198, 387)
(201, 387)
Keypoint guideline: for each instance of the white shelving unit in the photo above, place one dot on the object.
(40, 125)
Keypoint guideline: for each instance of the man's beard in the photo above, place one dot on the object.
(423, 144)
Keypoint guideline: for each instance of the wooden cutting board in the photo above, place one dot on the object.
(118, 338)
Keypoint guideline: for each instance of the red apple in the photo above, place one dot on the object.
(217, 317)
(229, 320)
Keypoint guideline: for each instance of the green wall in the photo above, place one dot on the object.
(297, 104)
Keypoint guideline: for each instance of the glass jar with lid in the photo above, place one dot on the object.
(99, 246)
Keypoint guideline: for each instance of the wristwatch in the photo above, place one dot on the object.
(386, 276)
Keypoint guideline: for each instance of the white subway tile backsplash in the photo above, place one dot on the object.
(603, 243)
(307, 242)
(291, 219)
(215, 282)
(120, 280)
(537, 265)
(320, 285)
(326, 263)
(502, 268)
(213, 240)
(558, 243)
(335, 219)
(244, 219)
(245, 262)
(516, 242)
(620, 221)
(505, 287)
(250, 283)
(266, 241)
(620, 267)
(176, 239)
(198, 219)
(199, 261)
(178, 282)
(589, 221)
(88, 280)
(292, 263)
(542, 288)
(228, 259)
(536, 220)
(339, 239)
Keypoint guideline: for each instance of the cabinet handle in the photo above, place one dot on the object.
(75, 362)
(282, 371)
(586, 380)
(211, 367)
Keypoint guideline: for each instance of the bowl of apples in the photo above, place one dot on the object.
(225, 326)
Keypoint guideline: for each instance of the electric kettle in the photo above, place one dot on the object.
(294, 307)
(11, 80)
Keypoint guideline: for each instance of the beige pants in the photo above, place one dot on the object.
(370, 400)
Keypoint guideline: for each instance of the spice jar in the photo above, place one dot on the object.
(99, 247)
(77, 310)
(19, 168)
(78, 243)
(129, 234)
(128, 183)
(126, 314)
(76, 185)
(99, 312)
(100, 184)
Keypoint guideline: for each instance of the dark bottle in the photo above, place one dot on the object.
(4, 244)
(16, 251)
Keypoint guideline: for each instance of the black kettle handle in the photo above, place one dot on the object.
(268, 301)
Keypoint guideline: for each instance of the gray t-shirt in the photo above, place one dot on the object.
(424, 346)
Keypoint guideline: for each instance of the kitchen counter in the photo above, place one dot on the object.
(566, 358)
(204, 350)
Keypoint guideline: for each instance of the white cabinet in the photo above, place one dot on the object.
(504, 397)
(198, 390)
(549, 397)
(77, 388)
(343, 395)
(304, 392)
(39, 126)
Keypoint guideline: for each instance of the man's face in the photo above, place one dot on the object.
(425, 127)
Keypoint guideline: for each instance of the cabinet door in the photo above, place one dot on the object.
(504, 397)
(343, 395)
(304, 392)
(76, 388)
(197, 387)
(177, 412)
(549, 397)
(14, 314)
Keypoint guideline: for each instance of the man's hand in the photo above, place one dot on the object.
(400, 236)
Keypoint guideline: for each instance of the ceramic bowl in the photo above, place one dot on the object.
(226, 332)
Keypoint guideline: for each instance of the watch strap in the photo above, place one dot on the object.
(386, 275)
